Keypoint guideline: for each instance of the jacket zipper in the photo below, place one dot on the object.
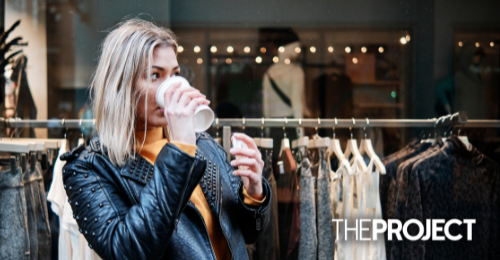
(181, 209)
(220, 210)
(206, 230)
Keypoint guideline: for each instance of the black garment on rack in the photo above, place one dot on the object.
(454, 183)
(388, 181)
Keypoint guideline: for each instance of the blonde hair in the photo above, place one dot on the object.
(126, 53)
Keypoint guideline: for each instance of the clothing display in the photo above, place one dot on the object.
(319, 191)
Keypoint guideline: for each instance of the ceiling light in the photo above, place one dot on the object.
(197, 49)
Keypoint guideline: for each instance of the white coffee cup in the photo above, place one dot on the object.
(203, 115)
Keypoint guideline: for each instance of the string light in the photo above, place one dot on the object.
(258, 59)
(381, 49)
(460, 44)
(287, 61)
(312, 49)
(213, 49)
(477, 44)
(355, 60)
(229, 61)
(492, 44)
(263, 50)
(230, 49)
(348, 49)
(197, 49)
(408, 38)
(297, 49)
(281, 49)
(276, 59)
(363, 49)
(403, 40)
(330, 49)
(246, 49)
(180, 49)
(199, 61)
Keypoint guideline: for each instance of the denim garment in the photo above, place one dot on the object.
(14, 241)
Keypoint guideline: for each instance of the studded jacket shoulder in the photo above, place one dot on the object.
(142, 211)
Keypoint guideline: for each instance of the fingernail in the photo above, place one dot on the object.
(233, 163)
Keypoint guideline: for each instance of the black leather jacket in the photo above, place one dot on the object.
(141, 211)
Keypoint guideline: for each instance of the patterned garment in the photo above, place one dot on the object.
(454, 183)
(399, 197)
(308, 239)
(326, 235)
(388, 181)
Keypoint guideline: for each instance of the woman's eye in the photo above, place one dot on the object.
(155, 76)
(177, 74)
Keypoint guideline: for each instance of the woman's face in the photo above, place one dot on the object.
(164, 66)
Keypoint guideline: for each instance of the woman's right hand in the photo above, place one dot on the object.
(180, 104)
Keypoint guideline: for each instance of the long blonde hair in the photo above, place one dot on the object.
(126, 53)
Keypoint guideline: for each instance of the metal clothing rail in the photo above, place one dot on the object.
(457, 119)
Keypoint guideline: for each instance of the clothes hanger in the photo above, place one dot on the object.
(265, 142)
(463, 138)
(337, 151)
(352, 148)
(285, 143)
(366, 147)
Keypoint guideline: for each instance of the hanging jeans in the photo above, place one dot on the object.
(38, 219)
(14, 240)
(308, 239)
(268, 246)
(326, 235)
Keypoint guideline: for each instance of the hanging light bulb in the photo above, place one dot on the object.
(213, 49)
(330, 49)
(246, 49)
(263, 50)
(312, 49)
(381, 49)
(230, 49)
(297, 49)
(363, 49)
(281, 49)
(355, 60)
(348, 49)
(276, 59)
(258, 59)
(287, 61)
(199, 61)
(180, 49)
(196, 49)
(403, 40)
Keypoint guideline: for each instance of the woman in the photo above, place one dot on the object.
(139, 192)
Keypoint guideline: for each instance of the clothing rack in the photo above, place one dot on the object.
(458, 119)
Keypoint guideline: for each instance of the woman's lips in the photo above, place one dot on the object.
(162, 110)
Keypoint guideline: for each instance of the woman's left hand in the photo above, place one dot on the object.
(251, 177)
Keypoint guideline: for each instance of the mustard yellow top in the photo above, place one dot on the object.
(154, 142)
